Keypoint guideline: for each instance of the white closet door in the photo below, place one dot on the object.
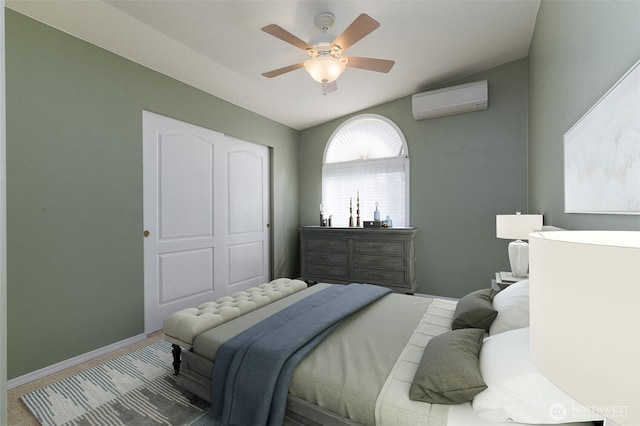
(188, 188)
(248, 211)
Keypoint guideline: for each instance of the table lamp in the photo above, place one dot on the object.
(585, 318)
(518, 227)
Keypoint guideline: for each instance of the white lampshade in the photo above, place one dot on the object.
(585, 318)
(324, 69)
(517, 226)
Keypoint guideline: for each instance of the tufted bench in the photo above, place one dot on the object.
(180, 328)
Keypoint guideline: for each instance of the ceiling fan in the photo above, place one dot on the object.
(326, 50)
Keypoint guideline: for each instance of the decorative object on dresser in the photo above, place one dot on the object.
(585, 320)
(518, 227)
(381, 256)
(350, 213)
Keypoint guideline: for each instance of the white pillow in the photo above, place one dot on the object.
(517, 391)
(512, 305)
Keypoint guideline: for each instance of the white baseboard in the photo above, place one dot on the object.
(43, 372)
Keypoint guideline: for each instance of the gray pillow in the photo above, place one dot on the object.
(448, 372)
(475, 310)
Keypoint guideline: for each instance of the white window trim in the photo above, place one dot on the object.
(363, 117)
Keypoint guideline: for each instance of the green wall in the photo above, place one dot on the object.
(465, 169)
(74, 172)
(579, 51)
(74, 189)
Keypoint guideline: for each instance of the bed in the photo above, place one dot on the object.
(382, 364)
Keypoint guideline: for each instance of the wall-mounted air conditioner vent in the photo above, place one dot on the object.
(451, 100)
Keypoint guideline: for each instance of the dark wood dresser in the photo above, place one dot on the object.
(381, 256)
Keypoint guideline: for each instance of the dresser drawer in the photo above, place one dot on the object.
(380, 247)
(381, 276)
(326, 272)
(326, 245)
(326, 258)
(375, 261)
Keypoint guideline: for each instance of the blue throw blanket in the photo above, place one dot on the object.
(252, 370)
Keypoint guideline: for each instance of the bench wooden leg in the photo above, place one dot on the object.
(176, 351)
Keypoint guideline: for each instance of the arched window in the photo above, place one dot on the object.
(366, 156)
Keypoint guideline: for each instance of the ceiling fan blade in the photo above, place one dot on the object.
(284, 35)
(280, 71)
(371, 64)
(360, 28)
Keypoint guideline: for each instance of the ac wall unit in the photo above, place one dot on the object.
(450, 100)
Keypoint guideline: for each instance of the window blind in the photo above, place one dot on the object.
(382, 181)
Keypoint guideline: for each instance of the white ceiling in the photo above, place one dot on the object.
(218, 47)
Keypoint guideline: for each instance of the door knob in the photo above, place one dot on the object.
(146, 233)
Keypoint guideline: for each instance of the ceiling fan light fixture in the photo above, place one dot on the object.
(326, 50)
(325, 69)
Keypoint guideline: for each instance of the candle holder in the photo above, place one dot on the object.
(358, 210)
(350, 212)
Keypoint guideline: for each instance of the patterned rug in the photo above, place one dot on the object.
(138, 388)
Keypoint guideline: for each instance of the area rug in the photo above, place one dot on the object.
(138, 388)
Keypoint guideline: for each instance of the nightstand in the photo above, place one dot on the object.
(504, 280)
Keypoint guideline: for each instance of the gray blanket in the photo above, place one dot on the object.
(252, 370)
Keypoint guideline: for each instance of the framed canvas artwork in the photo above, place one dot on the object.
(602, 153)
